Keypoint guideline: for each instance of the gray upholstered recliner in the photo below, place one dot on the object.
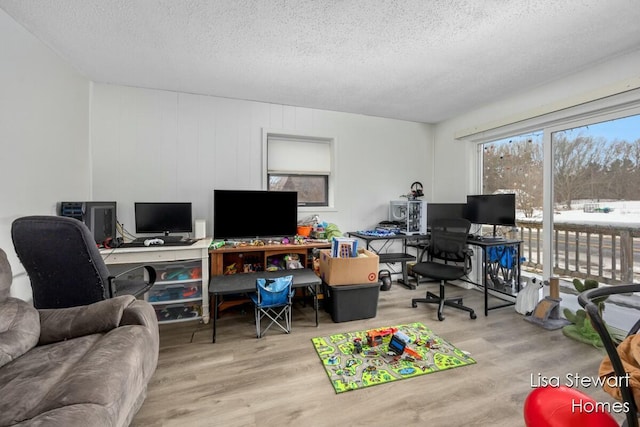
(78, 366)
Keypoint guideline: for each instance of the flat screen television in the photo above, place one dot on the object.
(492, 209)
(437, 211)
(162, 218)
(251, 214)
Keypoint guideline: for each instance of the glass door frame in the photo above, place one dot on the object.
(611, 108)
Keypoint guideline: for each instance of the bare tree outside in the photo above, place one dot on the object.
(514, 165)
(581, 167)
(585, 167)
(312, 189)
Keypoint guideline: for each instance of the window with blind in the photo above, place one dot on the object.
(303, 164)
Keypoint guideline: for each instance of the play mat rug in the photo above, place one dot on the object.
(352, 363)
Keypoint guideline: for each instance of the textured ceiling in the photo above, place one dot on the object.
(418, 60)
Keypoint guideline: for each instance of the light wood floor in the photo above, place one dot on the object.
(278, 380)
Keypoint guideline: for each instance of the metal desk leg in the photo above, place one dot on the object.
(405, 276)
(518, 267)
(484, 281)
(316, 304)
(215, 316)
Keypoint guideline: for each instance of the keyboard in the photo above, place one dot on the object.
(138, 242)
(166, 239)
(493, 239)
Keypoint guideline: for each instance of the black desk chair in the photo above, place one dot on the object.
(449, 258)
(64, 264)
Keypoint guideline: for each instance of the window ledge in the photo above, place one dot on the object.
(317, 209)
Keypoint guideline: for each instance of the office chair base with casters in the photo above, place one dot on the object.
(454, 302)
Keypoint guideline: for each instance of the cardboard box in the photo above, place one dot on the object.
(349, 271)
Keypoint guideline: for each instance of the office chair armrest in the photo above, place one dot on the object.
(59, 324)
(132, 287)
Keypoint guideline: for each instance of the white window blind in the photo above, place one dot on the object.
(298, 156)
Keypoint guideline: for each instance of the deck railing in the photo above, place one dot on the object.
(609, 254)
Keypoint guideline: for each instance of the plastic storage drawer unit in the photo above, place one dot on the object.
(353, 302)
(178, 312)
(175, 292)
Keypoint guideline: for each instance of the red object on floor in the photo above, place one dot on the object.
(564, 407)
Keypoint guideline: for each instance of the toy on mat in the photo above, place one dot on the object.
(357, 345)
(376, 336)
(398, 345)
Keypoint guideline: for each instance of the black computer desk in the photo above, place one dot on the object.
(484, 243)
(392, 257)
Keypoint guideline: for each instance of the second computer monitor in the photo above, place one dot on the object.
(492, 209)
(437, 211)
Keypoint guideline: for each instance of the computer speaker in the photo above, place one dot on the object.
(200, 228)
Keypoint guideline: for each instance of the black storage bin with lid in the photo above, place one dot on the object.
(352, 302)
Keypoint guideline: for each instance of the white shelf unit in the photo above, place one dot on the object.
(411, 214)
(181, 290)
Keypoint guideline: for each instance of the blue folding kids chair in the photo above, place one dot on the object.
(272, 300)
(501, 265)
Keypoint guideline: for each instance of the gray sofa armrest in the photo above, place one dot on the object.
(66, 323)
(142, 313)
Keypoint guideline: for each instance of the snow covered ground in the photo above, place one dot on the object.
(621, 214)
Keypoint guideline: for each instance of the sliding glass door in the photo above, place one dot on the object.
(596, 201)
(577, 196)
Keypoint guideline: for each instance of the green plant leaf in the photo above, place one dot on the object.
(581, 316)
(569, 315)
(577, 283)
(591, 284)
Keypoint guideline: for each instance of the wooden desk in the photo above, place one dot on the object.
(248, 255)
(246, 282)
(224, 256)
(162, 257)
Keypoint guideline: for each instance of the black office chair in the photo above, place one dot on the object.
(448, 258)
(64, 264)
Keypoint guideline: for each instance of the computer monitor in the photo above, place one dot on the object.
(492, 209)
(163, 217)
(437, 211)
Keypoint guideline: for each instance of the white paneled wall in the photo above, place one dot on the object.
(150, 145)
(44, 133)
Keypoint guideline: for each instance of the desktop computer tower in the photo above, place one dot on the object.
(99, 217)
(411, 215)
